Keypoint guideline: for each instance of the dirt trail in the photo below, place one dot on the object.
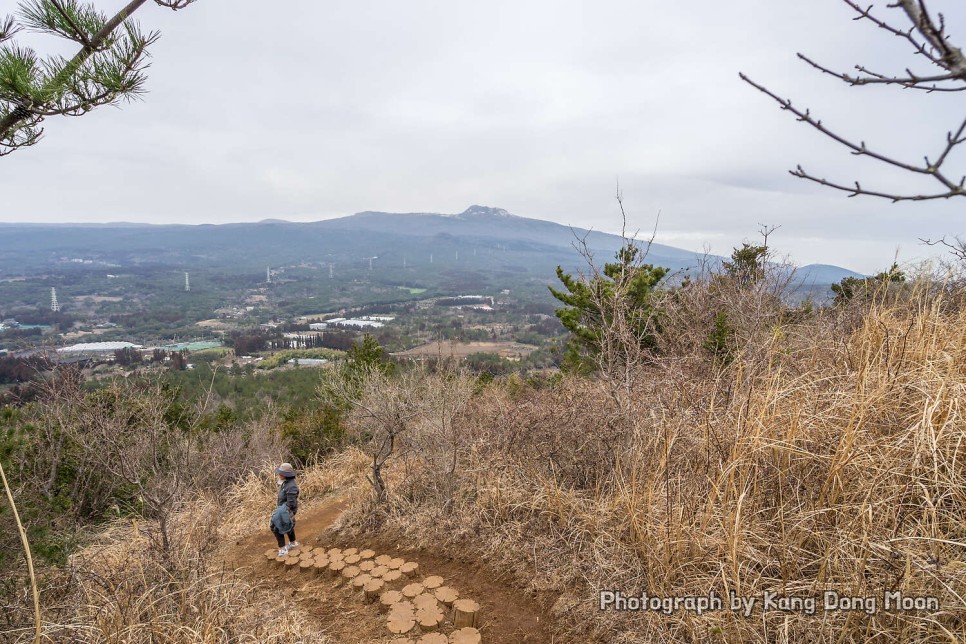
(507, 615)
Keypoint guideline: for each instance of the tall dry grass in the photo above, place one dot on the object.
(827, 456)
(125, 587)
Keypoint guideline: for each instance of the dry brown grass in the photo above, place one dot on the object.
(828, 456)
(125, 588)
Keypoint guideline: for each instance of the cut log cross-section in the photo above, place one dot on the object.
(468, 635)
(392, 576)
(433, 582)
(361, 580)
(433, 638)
(335, 567)
(367, 554)
(378, 571)
(446, 594)
(425, 600)
(389, 598)
(402, 618)
(465, 612)
(372, 589)
(400, 624)
(412, 590)
(350, 572)
(429, 618)
(366, 565)
(409, 568)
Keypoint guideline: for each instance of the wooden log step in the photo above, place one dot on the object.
(352, 559)
(396, 563)
(333, 551)
(433, 638)
(403, 607)
(429, 618)
(361, 580)
(307, 548)
(366, 565)
(425, 600)
(291, 563)
(271, 553)
(411, 590)
(367, 554)
(379, 571)
(349, 572)
(400, 624)
(468, 635)
(306, 565)
(335, 567)
(322, 561)
(389, 597)
(409, 568)
(383, 560)
(392, 576)
(280, 561)
(433, 582)
(446, 594)
(465, 612)
(372, 589)
(349, 551)
(320, 566)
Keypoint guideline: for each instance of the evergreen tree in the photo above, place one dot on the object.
(109, 66)
(624, 287)
(747, 265)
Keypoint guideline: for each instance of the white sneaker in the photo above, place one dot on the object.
(282, 552)
(294, 544)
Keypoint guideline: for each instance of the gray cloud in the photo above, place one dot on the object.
(306, 110)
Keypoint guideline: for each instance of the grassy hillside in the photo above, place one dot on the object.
(741, 446)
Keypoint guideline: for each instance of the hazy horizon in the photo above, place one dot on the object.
(539, 108)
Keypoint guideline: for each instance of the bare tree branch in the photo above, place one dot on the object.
(927, 34)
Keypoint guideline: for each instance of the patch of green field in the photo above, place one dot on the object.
(412, 290)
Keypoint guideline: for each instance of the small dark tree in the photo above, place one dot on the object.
(747, 265)
(853, 287)
(623, 289)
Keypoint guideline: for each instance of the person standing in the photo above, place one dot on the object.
(283, 519)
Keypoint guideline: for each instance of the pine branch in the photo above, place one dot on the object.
(110, 65)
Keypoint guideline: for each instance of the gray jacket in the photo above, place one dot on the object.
(289, 495)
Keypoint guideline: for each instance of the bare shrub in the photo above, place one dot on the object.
(828, 458)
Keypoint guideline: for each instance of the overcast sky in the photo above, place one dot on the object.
(307, 110)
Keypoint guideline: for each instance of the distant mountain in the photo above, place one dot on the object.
(480, 238)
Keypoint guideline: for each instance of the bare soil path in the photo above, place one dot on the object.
(507, 615)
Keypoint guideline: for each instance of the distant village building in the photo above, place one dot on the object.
(91, 348)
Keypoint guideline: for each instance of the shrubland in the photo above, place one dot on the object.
(705, 438)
